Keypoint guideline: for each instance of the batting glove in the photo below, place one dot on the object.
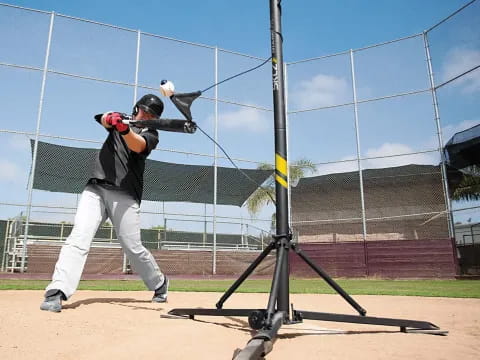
(122, 128)
(113, 118)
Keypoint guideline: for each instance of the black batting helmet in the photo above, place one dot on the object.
(149, 103)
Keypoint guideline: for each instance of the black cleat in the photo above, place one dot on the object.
(53, 300)
(160, 295)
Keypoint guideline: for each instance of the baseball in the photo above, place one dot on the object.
(167, 88)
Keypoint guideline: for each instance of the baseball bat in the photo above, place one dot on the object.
(174, 125)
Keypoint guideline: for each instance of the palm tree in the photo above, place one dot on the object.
(469, 186)
(264, 195)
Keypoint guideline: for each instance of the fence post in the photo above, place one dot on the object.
(137, 65)
(124, 265)
(215, 184)
(443, 168)
(165, 229)
(204, 239)
(242, 237)
(359, 161)
(35, 147)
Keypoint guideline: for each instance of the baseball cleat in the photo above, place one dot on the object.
(160, 295)
(53, 301)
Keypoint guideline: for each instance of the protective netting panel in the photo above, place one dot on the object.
(67, 169)
(327, 208)
(405, 203)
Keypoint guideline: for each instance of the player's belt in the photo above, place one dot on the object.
(100, 182)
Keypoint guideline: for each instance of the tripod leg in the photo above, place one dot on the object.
(275, 284)
(245, 274)
(330, 281)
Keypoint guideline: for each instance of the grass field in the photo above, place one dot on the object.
(435, 288)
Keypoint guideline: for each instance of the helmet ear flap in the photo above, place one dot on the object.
(135, 110)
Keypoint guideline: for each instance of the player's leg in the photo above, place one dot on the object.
(124, 212)
(73, 255)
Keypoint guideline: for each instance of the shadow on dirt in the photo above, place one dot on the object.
(128, 302)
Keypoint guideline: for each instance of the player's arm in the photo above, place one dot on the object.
(134, 141)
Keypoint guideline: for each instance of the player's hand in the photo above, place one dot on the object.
(122, 128)
(113, 118)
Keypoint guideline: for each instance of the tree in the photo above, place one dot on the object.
(469, 186)
(263, 195)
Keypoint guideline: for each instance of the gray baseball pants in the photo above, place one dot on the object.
(98, 202)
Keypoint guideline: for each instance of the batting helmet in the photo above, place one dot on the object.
(149, 103)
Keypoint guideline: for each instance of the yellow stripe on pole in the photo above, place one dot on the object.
(281, 165)
(281, 181)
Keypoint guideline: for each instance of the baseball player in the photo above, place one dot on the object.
(114, 191)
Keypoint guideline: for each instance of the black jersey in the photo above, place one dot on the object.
(116, 164)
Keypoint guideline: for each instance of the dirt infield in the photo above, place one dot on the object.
(126, 325)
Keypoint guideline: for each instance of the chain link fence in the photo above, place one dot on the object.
(373, 121)
(381, 116)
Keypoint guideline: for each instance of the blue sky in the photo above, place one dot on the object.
(310, 29)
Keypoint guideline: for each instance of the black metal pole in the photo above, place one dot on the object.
(281, 164)
(276, 284)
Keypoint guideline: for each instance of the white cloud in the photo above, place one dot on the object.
(248, 119)
(9, 171)
(389, 149)
(321, 90)
(457, 62)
